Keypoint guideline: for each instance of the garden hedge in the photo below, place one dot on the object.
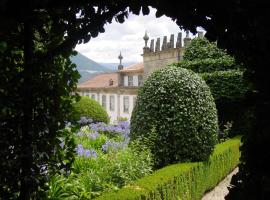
(186, 181)
(175, 116)
(87, 107)
(208, 65)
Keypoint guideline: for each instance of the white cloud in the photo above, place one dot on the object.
(127, 38)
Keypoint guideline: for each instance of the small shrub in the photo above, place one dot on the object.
(88, 108)
(176, 115)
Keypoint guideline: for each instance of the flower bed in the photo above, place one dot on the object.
(105, 161)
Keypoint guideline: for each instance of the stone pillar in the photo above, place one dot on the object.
(187, 39)
(200, 34)
(152, 46)
(171, 44)
(164, 44)
(120, 66)
(146, 48)
(179, 40)
(157, 45)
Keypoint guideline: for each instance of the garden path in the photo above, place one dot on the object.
(221, 190)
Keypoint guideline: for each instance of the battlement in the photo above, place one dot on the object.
(156, 56)
(166, 45)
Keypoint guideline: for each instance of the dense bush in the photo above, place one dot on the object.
(187, 181)
(208, 65)
(87, 107)
(226, 81)
(175, 115)
(201, 48)
(226, 84)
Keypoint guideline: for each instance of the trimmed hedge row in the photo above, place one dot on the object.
(187, 181)
(227, 84)
(208, 65)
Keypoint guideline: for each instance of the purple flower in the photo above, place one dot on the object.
(80, 150)
(80, 134)
(111, 145)
(88, 153)
(94, 135)
(84, 121)
(62, 144)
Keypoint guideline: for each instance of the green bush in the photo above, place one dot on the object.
(226, 84)
(201, 48)
(208, 65)
(187, 181)
(175, 115)
(87, 107)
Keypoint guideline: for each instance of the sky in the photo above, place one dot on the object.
(128, 38)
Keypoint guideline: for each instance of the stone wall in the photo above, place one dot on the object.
(156, 57)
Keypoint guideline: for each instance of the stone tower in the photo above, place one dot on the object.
(156, 58)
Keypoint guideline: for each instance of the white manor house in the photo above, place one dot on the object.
(117, 91)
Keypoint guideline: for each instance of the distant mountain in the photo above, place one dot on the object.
(113, 66)
(87, 67)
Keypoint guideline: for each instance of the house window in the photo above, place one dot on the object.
(104, 101)
(126, 104)
(87, 94)
(130, 80)
(140, 80)
(112, 103)
(93, 96)
(134, 101)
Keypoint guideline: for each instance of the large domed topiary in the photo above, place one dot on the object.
(175, 116)
(89, 108)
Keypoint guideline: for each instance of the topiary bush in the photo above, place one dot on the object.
(89, 108)
(175, 116)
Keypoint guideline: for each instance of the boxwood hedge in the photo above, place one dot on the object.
(175, 116)
(87, 107)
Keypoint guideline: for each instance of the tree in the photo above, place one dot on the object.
(241, 27)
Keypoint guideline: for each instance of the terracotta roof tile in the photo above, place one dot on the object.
(138, 67)
(101, 81)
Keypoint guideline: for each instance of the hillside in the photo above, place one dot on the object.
(87, 67)
(113, 66)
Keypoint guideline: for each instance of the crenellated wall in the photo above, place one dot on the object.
(156, 57)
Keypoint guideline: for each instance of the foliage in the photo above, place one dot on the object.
(226, 81)
(228, 85)
(208, 65)
(201, 48)
(104, 162)
(179, 117)
(187, 181)
(35, 101)
(89, 108)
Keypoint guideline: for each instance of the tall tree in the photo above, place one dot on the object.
(242, 27)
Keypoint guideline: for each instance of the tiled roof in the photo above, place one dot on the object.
(101, 81)
(138, 67)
